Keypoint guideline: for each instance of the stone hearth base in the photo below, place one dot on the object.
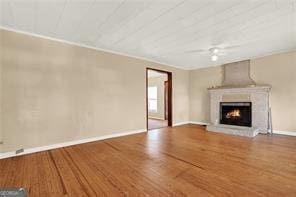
(234, 130)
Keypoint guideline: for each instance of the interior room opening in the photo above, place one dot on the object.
(158, 99)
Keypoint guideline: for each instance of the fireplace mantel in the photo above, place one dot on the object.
(259, 97)
(241, 88)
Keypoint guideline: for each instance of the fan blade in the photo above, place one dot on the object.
(222, 53)
(196, 51)
(181, 52)
(231, 47)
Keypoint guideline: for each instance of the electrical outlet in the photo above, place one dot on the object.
(19, 151)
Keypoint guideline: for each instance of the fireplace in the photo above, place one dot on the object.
(252, 103)
(236, 113)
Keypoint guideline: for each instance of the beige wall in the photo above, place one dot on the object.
(159, 83)
(276, 70)
(280, 72)
(200, 80)
(54, 92)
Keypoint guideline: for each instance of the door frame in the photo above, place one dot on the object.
(166, 99)
(170, 95)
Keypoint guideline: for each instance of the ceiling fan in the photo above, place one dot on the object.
(214, 52)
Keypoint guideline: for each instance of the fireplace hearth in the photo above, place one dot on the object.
(236, 113)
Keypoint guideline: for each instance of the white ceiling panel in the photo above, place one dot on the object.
(6, 16)
(97, 16)
(174, 32)
(153, 11)
(70, 18)
(24, 14)
(205, 26)
(230, 28)
(48, 14)
(113, 27)
(162, 24)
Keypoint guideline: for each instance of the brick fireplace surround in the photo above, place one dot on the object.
(257, 95)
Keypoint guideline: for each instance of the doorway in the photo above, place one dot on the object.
(158, 98)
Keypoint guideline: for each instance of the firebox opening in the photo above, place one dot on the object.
(236, 113)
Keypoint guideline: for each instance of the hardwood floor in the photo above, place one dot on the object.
(156, 124)
(179, 161)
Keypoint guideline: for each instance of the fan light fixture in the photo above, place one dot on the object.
(214, 58)
(214, 52)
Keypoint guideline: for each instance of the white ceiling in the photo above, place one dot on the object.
(162, 30)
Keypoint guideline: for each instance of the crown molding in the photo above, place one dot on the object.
(143, 58)
(89, 47)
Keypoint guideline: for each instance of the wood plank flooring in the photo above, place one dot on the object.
(156, 124)
(179, 161)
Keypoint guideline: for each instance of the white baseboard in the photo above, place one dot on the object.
(291, 133)
(190, 122)
(70, 143)
(180, 123)
(199, 123)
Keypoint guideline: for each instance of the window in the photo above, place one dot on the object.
(152, 99)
